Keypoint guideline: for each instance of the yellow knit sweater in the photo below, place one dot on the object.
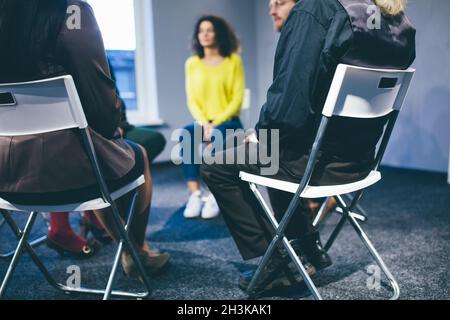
(215, 93)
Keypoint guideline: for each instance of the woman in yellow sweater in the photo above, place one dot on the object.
(215, 85)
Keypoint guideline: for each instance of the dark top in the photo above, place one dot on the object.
(123, 124)
(317, 36)
(57, 161)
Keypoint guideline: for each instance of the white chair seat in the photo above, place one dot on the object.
(312, 192)
(94, 204)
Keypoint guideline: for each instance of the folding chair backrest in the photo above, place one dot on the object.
(366, 93)
(40, 106)
(46, 106)
(363, 93)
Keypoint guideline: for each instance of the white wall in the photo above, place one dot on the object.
(421, 139)
(422, 136)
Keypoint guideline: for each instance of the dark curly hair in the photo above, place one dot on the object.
(227, 40)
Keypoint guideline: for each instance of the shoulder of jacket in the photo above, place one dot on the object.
(322, 11)
(83, 5)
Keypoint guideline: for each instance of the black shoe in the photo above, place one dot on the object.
(87, 251)
(314, 251)
(280, 272)
(270, 273)
(280, 280)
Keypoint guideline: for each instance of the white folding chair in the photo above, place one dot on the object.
(356, 93)
(46, 106)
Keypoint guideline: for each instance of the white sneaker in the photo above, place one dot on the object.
(193, 206)
(210, 209)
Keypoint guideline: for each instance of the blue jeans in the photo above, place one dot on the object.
(192, 169)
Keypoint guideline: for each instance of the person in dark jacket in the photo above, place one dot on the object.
(317, 36)
(39, 40)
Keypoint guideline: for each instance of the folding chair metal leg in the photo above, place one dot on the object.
(50, 279)
(348, 215)
(361, 215)
(357, 216)
(34, 243)
(321, 211)
(358, 207)
(120, 249)
(335, 233)
(17, 232)
(15, 259)
(271, 250)
(345, 209)
(125, 239)
(299, 265)
(365, 239)
(115, 212)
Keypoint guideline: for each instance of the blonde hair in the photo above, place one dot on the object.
(391, 7)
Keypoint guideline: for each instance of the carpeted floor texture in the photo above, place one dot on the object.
(409, 223)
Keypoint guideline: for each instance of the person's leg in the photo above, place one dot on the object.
(300, 223)
(232, 194)
(139, 224)
(240, 209)
(210, 208)
(152, 141)
(190, 141)
(90, 224)
(154, 262)
(191, 169)
(247, 222)
(300, 229)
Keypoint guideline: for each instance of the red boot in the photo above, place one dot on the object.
(64, 240)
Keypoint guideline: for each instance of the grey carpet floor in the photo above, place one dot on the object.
(409, 223)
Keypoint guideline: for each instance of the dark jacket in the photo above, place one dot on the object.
(123, 124)
(317, 36)
(57, 161)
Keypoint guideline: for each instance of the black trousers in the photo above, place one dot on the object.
(242, 212)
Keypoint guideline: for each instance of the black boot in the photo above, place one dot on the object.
(279, 272)
(268, 276)
(314, 251)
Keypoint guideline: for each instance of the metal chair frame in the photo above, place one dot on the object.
(347, 98)
(55, 103)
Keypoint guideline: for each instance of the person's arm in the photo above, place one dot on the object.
(237, 94)
(192, 101)
(85, 59)
(290, 98)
